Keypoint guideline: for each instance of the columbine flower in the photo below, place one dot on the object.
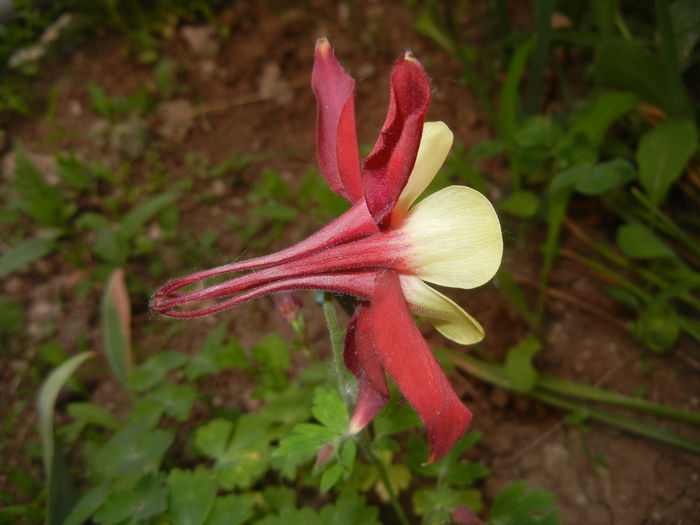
(383, 250)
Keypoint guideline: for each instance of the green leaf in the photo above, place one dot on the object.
(11, 316)
(315, 193)
(273, 356)
(110, 247)
(330, 410)
(521, 373)
(330, 477)
(232, 509)
(658, 327)
(92, 221)
(241, 456)
(176, 400)
(662, 154)
(594, 123)
(435, 505)
(522, 203)
(350, 509)
(212, 438)
(192, 495)
(594, 179)
(508, 115)
(87, 505)
(427, 26)
(116, 326)
(215, 355)
(567, 179)
(232, 164)
(137, 504)
(395, 417)
(136, 449)
(307, 438)
(639, 242)
(305, 515)
(90, 413)
(100, 102)
(515, 506)
(58, 504)
(624, 296)
(537, 132)
(274, 211)
(628, 65)
(134, 221)
(686, 23)
(74, 173)
(155, 370)
(271, 186)
(604, 177)
(280, 498)
(25, 253)
(451, 468)
(38, 199)
(289, 406)
(485, 149)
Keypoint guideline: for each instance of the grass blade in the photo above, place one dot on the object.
(57, 481)
(24, 253)
(116, 326)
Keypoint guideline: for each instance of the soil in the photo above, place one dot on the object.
(249, 92)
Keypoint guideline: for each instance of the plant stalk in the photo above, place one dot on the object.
(551, 391)
(398, 509)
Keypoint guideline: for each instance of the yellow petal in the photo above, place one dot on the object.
(454, 238)
(435, 144)
(445, 315)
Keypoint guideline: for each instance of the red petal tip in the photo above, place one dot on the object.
(323, 45)
(408, 57)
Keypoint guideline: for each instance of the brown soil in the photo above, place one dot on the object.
(599, 477)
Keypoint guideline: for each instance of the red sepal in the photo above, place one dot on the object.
(336, 138)
(388, 166)
(407, 358)
(362, 360)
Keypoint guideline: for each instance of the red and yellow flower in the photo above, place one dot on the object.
(383, 250)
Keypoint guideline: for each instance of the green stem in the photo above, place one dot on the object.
(336, 345)
(540, 55)
(556, 385)
(398, 509)
(666, 224)
(623, 423)
(669, 53)
(547, 387)
(622, 26)
(648, 275)
(613, 276)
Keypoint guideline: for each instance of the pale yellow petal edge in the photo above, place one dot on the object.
(446, 316)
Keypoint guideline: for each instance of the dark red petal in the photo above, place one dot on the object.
(336, 138)
(362, 360)
(410, 363)
(388, 166)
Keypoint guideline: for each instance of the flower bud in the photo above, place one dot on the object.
(288, 305)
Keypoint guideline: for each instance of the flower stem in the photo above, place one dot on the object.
(553, 391)
(398, 509)
(336, 338)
